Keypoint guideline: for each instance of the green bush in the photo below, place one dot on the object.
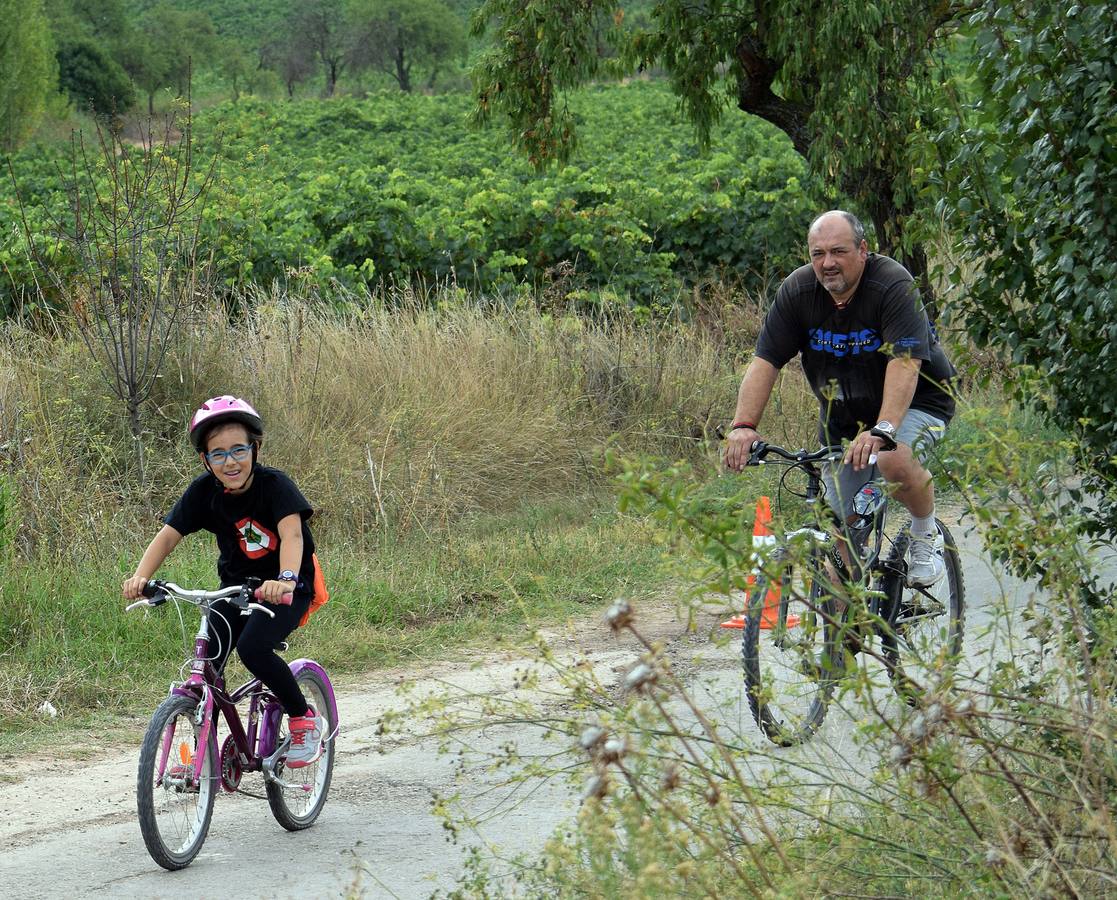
(1029, 188)
(93, 79)
(399, 187)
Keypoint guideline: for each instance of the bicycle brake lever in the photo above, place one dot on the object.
(155, 590)
(154, 594)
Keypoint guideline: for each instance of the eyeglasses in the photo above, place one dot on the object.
(239, 453)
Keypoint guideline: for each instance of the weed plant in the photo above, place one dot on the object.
(996, 781)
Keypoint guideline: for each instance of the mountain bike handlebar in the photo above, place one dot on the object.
(761, 450)
(158, 592)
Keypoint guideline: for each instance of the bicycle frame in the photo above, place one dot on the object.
(864, 557)
(255, 745)
(839, 565)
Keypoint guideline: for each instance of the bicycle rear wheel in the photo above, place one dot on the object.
(790, 672)
(297, 803)
(924, 639)
(175, 812)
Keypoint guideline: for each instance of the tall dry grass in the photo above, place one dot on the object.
(399, 413)
(454, 451)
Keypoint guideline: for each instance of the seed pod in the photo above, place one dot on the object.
(620, 615)
(640, 678)
(670, 779)
(597, 787)
(591, 738)
(613, 750)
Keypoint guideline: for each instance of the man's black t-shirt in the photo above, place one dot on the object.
(246, 525)
(845, 352)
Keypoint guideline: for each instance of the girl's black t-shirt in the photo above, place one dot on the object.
(845, 351)
(246, 525)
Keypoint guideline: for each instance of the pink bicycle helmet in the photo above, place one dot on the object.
(218, 410)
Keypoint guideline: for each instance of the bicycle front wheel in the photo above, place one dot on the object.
(174, 810)
(297, 801)
(924, 639)
(791, 650)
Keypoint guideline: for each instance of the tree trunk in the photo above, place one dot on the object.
(403, 71)
(873, 189)
(135, 424)
(889, 221)
(755, 95)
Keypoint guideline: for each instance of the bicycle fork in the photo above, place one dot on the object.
(203, 717)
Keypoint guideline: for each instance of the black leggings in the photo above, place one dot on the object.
(256, 638)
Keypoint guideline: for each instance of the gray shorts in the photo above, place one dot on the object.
(919, 430)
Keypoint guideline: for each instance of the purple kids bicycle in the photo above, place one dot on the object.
(181, 770)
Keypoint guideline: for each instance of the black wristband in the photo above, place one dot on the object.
(737, 425)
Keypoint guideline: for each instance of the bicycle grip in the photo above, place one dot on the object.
(285, 600)
(152, 589)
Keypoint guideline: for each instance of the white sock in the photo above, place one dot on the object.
(924, 526)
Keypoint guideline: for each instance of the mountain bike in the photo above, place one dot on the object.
(829, 578)
(181, 769)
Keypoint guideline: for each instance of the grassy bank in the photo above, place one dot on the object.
(69, 642)
(455, 459)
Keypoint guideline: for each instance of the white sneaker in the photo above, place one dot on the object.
(306, 739)
(925, 560)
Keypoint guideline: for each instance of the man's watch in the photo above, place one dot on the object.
(288, 575)
(885, 430)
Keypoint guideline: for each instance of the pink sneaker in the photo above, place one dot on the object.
(306, 739)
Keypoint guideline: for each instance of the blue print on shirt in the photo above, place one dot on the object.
(839, 344)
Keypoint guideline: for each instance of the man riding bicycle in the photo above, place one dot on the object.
(874, 363)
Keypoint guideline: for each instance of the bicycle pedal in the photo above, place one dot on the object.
(269, 762)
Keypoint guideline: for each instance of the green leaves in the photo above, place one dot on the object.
(543, 50)
(399, 187)
(27, 69)
(1041, 231)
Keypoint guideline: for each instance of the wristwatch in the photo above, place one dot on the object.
(288, 575)
(886, 430)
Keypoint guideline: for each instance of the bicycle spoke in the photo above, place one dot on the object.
(926, 637)
(175, 808)
(298, 795)
(790, 672)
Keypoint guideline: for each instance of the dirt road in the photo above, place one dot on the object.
(69, 826)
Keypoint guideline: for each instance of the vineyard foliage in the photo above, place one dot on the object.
(398, 187)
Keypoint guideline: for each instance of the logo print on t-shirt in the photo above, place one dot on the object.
(255, 539)
(838, 344)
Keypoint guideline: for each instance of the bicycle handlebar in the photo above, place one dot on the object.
(158, 592)
(760, 450)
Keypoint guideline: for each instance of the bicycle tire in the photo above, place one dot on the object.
(920, 648)
(790, 675)
(295, 816)
(175, 817)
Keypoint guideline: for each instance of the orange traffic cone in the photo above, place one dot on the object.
(762, 536)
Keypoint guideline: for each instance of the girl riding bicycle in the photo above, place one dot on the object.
(259, 518)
